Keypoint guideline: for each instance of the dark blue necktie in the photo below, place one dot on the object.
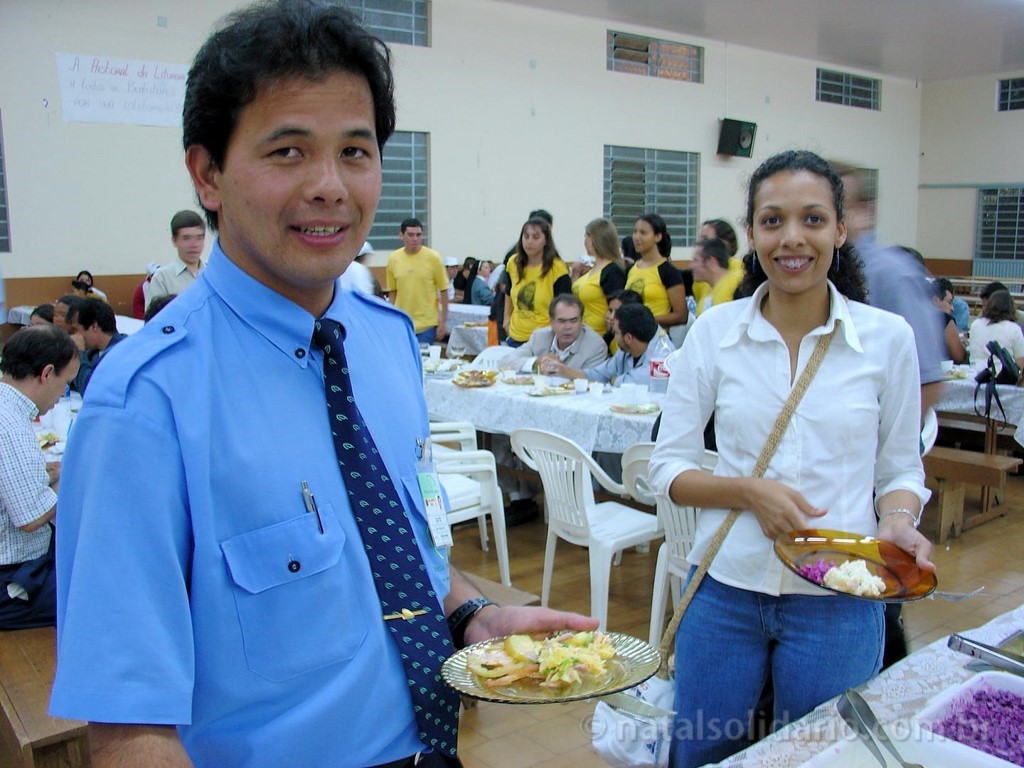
(409, 603)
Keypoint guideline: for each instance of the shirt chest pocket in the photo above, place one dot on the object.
(294, 597)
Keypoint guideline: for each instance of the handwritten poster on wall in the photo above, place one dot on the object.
(101, 89)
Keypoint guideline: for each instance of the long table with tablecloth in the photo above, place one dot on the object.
(586, 419)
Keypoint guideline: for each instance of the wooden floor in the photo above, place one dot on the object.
(502, 736)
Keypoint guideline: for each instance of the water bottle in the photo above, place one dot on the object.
(660, 348)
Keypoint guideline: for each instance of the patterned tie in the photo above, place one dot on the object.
(403, 585)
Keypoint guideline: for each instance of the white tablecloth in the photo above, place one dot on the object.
(466, 313)
(896, 695)
(472, 339)
(502, 408)
(20, 315)
(958, 397)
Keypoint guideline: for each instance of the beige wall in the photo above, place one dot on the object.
(965, 142)
(517, 102)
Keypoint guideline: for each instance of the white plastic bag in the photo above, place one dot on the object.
(628, 740)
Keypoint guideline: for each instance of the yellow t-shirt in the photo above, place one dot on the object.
(647, 282)
(531, 296)
(417, 277)
(595, 304)
(701, 289)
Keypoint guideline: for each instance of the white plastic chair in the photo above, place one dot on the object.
(491, 357)
(634, 472)
(680, 526)
(605, 528)
(929, 430)
(470, 481)
(449, 436)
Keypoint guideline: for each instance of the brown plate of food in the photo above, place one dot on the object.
(560, 667)
(855, 565)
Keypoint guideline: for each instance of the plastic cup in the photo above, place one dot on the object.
(434, 350)
(580, 385)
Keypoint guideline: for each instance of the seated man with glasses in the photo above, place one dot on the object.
(566, 340)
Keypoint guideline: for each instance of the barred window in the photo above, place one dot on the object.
(655, 58)
(395, 21)
(1000, 227)
(1011, 94)
(5, 222)
(638, 181)
(848, 90)
(405, 186)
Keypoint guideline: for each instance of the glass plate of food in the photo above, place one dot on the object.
(556, 668)
(855, 565)
(637, 408)
(518, 379)
(549, 391)
(474, 377)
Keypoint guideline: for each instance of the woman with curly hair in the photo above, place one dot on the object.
(848, 460)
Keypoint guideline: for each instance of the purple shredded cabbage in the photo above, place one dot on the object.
(816, 571)
(989, 720)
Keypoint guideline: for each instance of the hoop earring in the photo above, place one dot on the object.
(835, 258)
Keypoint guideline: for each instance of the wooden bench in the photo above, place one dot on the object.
(954, 469)
(29, 737)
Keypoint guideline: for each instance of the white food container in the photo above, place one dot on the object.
(947, 701)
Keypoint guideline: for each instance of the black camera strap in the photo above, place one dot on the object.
(988, 378)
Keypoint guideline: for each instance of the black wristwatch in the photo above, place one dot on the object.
(461, 616)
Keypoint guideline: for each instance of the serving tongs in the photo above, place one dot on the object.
(996, 657)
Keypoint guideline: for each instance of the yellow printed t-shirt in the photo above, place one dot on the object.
(417, 277)
(647, 282)
(531, 296)
(590, 289)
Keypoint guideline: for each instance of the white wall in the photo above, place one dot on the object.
(965, 142)
(518, 104)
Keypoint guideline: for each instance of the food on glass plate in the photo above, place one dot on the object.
(519, 380)
(852, 577)
(47, 440)
(474, 377)
(559, 661)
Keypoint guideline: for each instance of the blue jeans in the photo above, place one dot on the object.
(730, 639)
(427, 335)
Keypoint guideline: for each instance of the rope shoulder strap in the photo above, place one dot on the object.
(771, 445)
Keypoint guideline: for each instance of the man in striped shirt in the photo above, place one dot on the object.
(37, 364)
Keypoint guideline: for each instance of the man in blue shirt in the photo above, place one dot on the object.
(204, 616)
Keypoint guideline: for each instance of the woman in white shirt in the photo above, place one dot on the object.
(998, 322)
(848, 460)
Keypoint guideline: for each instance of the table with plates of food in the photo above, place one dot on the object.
(601, 419)
(52, 428)
(910, 699)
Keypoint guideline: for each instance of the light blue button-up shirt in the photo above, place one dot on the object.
(194, 588)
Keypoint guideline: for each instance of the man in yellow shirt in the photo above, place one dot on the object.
(711, 265)
(418, 284)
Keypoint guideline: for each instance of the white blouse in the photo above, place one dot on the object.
(1006, 332)
(855, 434)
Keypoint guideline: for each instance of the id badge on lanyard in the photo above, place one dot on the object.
(433, 502)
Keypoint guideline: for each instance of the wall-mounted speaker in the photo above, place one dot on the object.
(736, 138)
